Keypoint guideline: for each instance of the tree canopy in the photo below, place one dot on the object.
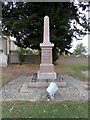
(24, 21)
(80, 50)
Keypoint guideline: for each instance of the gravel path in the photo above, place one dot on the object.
(75, 90)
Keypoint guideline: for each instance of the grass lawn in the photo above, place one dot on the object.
(23, 109)
(73, 70)
(77, 71)
(13, 71)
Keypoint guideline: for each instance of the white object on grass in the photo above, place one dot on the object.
(52, 89)
(11, 109)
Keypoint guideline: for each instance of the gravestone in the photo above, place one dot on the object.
(46, 67)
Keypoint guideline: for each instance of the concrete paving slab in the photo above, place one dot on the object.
(18, 90)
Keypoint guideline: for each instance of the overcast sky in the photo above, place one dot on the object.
(75, 42)
(85, 38)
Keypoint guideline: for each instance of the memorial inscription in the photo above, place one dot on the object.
(46, 55)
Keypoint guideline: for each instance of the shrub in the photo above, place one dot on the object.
(20, 54)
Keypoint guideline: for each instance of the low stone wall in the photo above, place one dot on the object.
(13, 58)
(33, 59)
(72, 60)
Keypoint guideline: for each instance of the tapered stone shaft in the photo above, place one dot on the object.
(46, 29)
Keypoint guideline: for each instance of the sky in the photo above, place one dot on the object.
(75, 42)
(84, 39)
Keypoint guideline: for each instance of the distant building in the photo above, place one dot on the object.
(4, 45)
(13, 47)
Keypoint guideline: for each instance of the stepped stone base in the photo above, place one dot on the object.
(46, 75)
(45, 84)
(46, 68)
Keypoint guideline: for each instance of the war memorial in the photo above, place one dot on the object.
(46, 74)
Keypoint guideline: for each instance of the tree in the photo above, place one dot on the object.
(80, 50)
(24, 21)
(20, 53)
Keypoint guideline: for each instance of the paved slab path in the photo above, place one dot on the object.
(17, 89)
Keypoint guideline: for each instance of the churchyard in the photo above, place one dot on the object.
(42, 109)
(29, 95)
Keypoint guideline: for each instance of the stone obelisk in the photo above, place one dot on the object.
(46, 66)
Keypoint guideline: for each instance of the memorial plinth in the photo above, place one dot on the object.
(46, 67)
